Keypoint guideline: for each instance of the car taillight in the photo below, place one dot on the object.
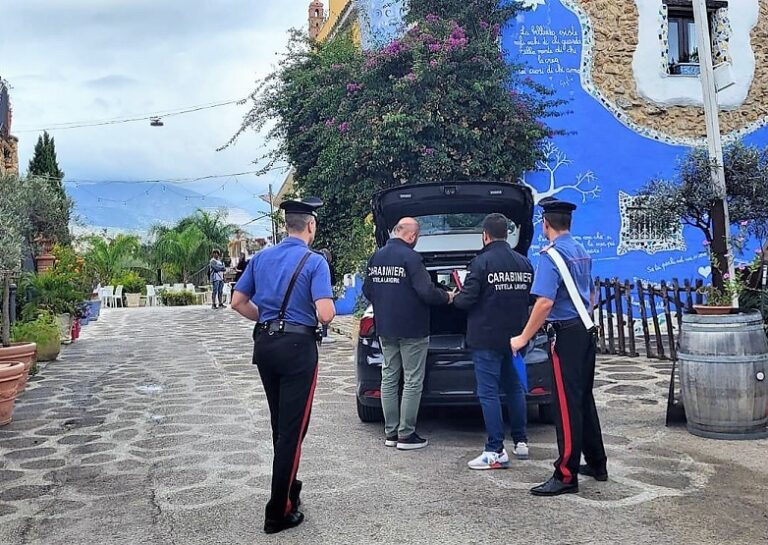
(366, 326)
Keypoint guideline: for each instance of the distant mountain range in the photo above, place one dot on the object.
(135, 207)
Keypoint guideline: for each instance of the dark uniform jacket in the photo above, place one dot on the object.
(496, 295)
(401, 291)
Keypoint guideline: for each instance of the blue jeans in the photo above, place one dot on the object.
(494, 371)
(218, 291)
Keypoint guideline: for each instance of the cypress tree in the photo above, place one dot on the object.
(44, 161)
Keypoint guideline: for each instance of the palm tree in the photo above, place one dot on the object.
(213, 225)
(182, 249)
(110, 257)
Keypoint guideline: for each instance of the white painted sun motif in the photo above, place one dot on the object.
(533, 4)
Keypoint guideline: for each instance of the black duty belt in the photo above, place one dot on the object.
(277, 326)
(564, 324)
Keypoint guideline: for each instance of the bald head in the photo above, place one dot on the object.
(407, 230)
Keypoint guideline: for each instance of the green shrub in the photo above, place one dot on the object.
(51, 291)
(177, 299)
(131, 282)
(43, 330)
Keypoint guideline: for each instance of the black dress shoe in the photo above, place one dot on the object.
(555, 487)
(597, 474)
(291, 520)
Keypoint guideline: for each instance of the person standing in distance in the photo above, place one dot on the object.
(401, 292)
(496, 295)
(572, 350)
(286, 289)
(217, 268)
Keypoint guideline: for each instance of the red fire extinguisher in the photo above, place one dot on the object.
(75, 330)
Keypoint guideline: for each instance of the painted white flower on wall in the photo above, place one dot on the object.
(533, 4)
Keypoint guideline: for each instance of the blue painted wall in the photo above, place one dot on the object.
(618, 158)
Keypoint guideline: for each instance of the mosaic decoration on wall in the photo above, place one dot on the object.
(664, 37)
(642, 231)
(721, 33)
(381, 21)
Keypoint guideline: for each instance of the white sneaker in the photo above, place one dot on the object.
(490, 460)
(520, 451)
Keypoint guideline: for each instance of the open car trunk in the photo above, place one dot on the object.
(448, 324)
(450, 215)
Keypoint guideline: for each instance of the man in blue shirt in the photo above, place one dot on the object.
(217, 268)
(572, 352)
(286, 290)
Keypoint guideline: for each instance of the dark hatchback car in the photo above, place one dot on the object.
(451, 216)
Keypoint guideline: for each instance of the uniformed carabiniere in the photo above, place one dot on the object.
(572, 351)
(496, 297)
(286, 289)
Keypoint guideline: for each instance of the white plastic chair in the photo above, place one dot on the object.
(226, 292)
(190, 287)
(106, 295)
(151, 296)
(177, 288)
(117, 298)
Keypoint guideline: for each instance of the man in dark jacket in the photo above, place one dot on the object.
(496, 297)
(401, 291)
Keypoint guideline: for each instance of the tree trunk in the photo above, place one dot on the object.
(6, 327)
(719, 245)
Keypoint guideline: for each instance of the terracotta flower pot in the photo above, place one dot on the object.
(705, 310)
(11, 374)
(20, 352)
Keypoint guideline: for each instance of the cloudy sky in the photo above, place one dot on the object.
(84, 60)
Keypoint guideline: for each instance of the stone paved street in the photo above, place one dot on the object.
(153, 428)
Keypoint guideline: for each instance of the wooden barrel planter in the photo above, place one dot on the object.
(723, 367)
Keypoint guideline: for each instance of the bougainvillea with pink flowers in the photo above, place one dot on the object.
(443, 102)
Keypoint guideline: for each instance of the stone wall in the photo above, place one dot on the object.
(9, 155)
(615, 40)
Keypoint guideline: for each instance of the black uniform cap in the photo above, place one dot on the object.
(306, 206)
(550, 204)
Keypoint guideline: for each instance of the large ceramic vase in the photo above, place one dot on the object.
(94, 309)
(20, 352)
(65, 328)
(49, 351)
(11, 374)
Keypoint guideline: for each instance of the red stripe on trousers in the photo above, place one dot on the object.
(565, 417)
(302, 431)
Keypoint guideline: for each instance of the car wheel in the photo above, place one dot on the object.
(545, 414)
(369, 414)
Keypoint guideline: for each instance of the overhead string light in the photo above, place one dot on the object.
(152, 117)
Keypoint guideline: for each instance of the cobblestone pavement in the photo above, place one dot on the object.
(153, 428)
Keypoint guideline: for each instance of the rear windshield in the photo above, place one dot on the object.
(443, 224)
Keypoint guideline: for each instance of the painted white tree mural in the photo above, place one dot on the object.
(585, 183)
(533, 4)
